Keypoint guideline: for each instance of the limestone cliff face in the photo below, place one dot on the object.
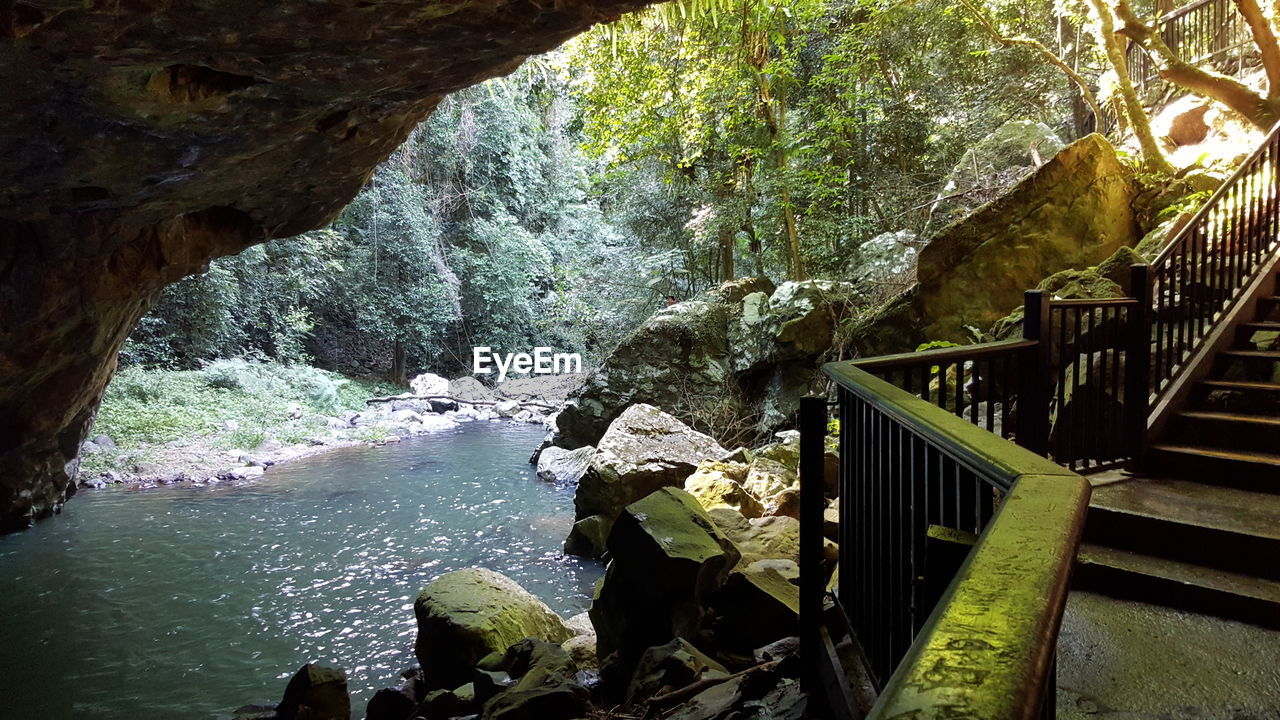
(141, 138)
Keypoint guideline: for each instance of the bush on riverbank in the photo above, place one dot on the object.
(230, 404)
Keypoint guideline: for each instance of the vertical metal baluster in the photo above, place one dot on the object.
(1180, 325)
(989, 388)
(877, 551)
(865, 571)
(1197, 288)
(1158, 355)
(1117, 428)
(942, 386)
(1006, 392)
(1104, 386)
(920, 521)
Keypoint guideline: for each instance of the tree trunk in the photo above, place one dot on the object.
(726, 253)
(1152, 156)
(1205, 83)
(398, 371)
(1265, 38)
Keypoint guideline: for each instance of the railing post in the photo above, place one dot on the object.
(813, 432)
(1033, 376)
(1137, 366)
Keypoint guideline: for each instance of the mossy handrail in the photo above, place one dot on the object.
(986, 648)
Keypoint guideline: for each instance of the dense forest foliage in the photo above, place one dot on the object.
(691, 143)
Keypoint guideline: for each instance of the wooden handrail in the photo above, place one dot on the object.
(941, 355)
(1185, 9)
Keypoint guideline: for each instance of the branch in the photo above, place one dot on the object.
(1205, 83)
(676, 697)
(1039, 47)
(391, 398)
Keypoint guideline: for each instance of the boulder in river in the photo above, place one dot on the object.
(469, 390)
(429, 384)
(546, 390)
(316, 692)
(643, 450)
(389, 704)
(736, 358)
(466, 614)
(564, 467)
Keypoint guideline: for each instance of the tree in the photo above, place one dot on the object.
(1152, 156)
(1261, 109)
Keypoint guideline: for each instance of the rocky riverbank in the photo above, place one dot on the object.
(696, 617)
(297, 431)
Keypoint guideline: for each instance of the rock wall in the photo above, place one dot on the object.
(732, 362)
(140, 140)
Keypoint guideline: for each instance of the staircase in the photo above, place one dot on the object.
(1230, 431)
(1200, 528)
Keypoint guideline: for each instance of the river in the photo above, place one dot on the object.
(188, 602)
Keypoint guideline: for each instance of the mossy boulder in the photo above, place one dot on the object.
(668, 558)
(675, 664)
(766, 538)
(680, 351)
(643, 450)
(1089, 284)
(545, 686)
(757, 606)
(316, 692)
(466, 614)
(736, 358)
(1080, 285)
(719, 484)
(1117, 268)
(1073, 212)
(997, 161)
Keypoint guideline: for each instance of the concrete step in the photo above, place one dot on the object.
(1207, 525)
(1237, 431)
(1241, 386)
(1257, 471)
(1160, 581)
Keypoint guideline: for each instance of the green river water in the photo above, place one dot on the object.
(188, 602)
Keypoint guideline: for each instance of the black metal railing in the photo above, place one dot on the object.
(980, 383)
(1072, 389)
(1207, 265)
(918, 485)
(948, 448)
(1207, 32)
(1095, 358)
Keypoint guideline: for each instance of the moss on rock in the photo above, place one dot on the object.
(467, 614)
